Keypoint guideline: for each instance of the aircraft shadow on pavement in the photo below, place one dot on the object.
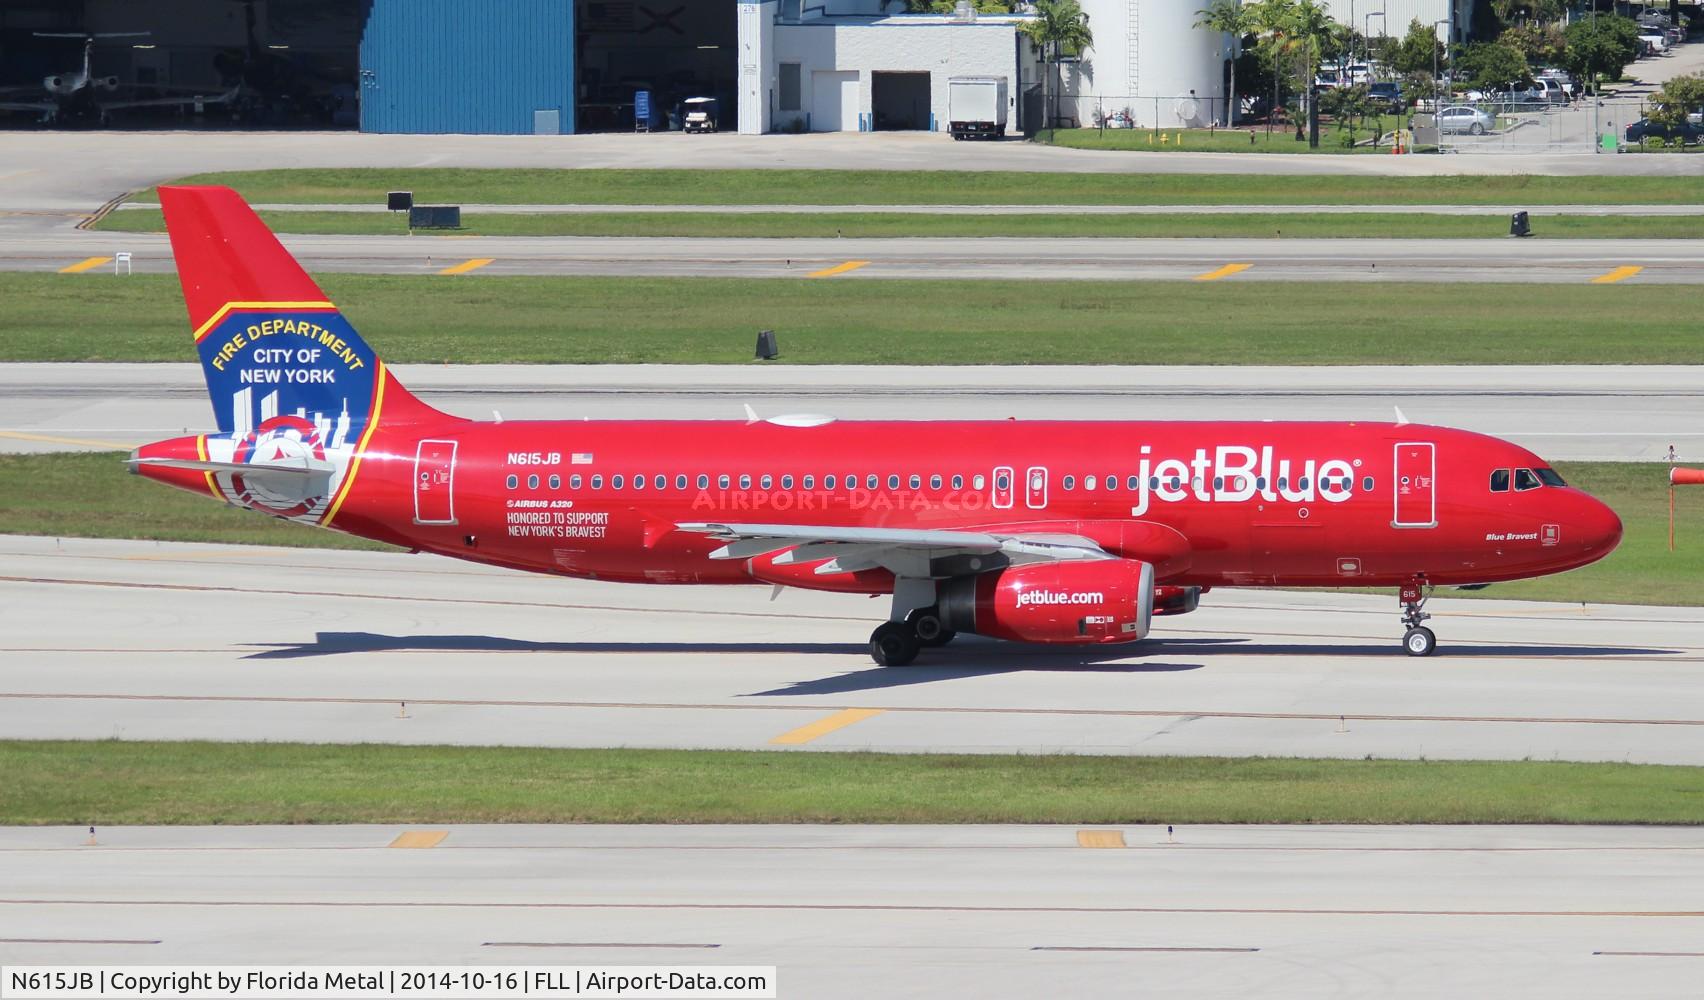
(339, 643)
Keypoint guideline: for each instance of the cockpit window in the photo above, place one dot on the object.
(1499, 480)
(1526, 479)
(1549, 477)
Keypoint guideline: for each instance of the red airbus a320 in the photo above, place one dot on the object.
(1033, 531)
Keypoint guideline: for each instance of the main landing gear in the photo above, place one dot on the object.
(896, 644)
(1418, 640)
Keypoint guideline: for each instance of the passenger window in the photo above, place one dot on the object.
(1283, 482)
(828, 482)
(958, 482)
(1302, 483)
(639, 482)
(872, 481)
(680, 481)
(893, 482)
(916, 481)
(555, 482)
(1177, 482)
(723, 480)
(1260, 483)
(1111, 482)
(1526, 479)
(1088, 482)
(935, 482)
(766, 482)
(1001, 482)
(809, 482)
(575, 482)
(703, 481)
(615, 482)
(514, 481)
(1500, 480)
(532, 482)
(977, 482)
(597, 482)
(786, 482)
(1218, 483)
(1367, 483)
(1132, 483)
(745, 482)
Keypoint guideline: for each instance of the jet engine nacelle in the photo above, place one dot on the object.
(1176, 600)
(107, 82)
(53, 84)
(1107, 600)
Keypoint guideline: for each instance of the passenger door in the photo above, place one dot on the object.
(434, 482)
(1416, 486)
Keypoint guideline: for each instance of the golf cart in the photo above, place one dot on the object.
(700, 114)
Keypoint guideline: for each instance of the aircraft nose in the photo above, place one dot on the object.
(1599, 528)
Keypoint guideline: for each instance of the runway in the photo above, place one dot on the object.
(895, 911)
(1612, 412)
(232, 643)
(990, 258)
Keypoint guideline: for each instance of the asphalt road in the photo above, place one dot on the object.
(1616, 413)
(140, 640)
(893, 911)
(993, 258)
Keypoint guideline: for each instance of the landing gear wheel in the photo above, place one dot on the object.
(927, 624)
(1420, 641)
(894, 644)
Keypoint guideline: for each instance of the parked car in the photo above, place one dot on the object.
(1464, 118)
(1644, 127)
(1388, 96)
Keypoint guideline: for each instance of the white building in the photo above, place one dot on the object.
(845, 66)
(1376, 18)
(1149, 60)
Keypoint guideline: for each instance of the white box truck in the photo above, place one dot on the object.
(976, 106)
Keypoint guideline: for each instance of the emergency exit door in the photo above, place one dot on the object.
(434, 482)
(1416, 485)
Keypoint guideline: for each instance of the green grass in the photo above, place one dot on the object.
(890, 224)
(113, 783)
(92, 495)
(477, 319)
(922, 187)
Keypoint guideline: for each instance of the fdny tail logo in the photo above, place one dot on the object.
(293, 387)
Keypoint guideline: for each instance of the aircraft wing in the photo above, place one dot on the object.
(28, 106)
(916, 552)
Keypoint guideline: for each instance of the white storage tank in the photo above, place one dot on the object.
(1150, 60)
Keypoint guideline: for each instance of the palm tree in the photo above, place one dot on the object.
(1059, 25)
(1303, 30)
(1231, 18)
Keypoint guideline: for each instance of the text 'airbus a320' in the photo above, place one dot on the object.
(1032, 531)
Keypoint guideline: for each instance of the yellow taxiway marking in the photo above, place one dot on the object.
(50, 439)
(1100, 838)
(829, 272)
(84, 265)
(1223, 272)
(822, 727)
(420, 838)
(468, 265)
(1619, 274)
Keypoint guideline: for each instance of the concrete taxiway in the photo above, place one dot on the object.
(1615, 413)
(990, 258)
(893, 911)
(139, 640)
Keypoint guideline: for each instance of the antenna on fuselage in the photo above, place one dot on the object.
(1401, 418)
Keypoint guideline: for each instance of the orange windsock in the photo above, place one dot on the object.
(1686, 477)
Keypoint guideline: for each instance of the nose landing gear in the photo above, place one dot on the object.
(1418, 640)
